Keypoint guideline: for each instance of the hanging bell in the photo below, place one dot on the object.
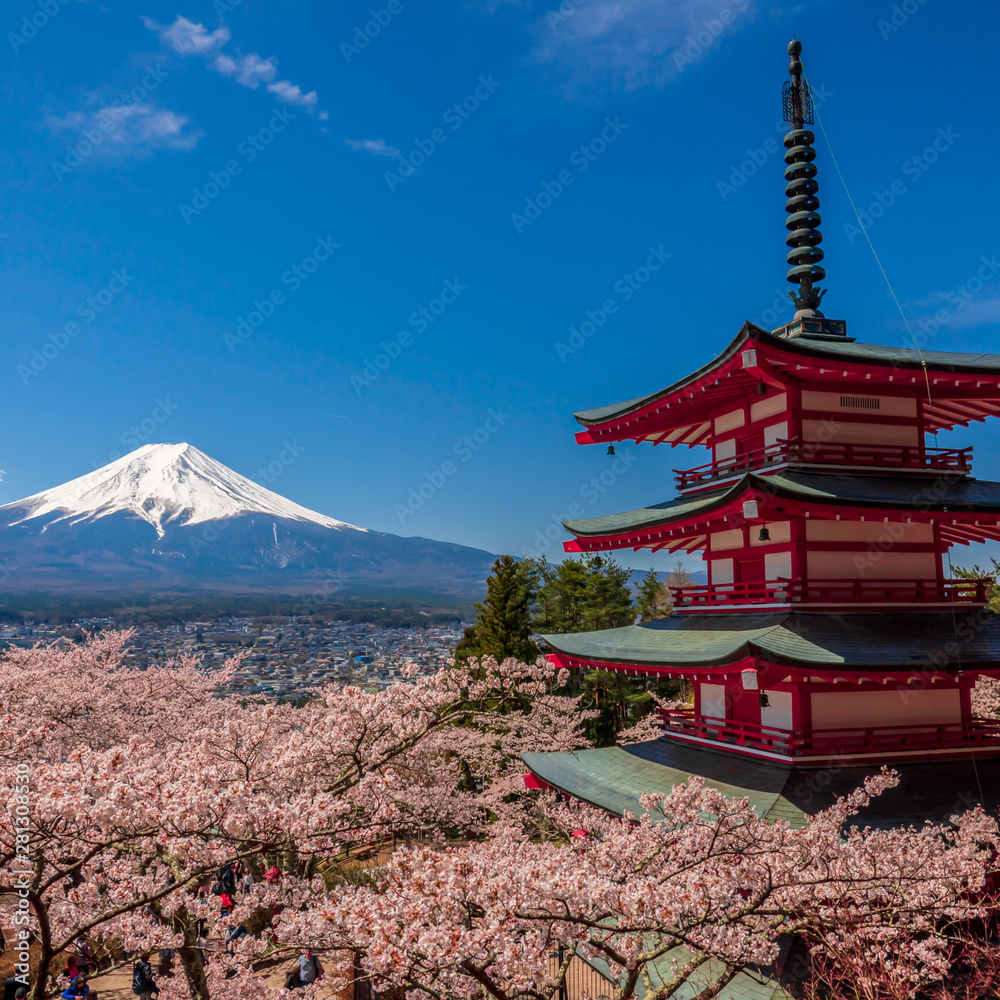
(611, 449)
(765, 535)
(761, 389)
(764, 703)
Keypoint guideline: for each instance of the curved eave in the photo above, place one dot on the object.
(848, 647)
(614, 778)
(958, 394)
(683, 524)
(605, 419)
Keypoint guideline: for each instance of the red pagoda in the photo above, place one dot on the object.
(829, 639)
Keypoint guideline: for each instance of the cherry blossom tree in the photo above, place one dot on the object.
(141, 785)
(697, 879)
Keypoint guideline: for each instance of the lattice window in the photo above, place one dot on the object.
(860, 402)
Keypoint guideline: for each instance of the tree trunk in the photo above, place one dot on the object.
(194, 969)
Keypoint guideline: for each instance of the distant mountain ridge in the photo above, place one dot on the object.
(168, 516)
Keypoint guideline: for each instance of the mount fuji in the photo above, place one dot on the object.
(168, 516)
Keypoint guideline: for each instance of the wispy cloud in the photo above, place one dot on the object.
(135, 130)
(596, 45)
(189, 38)
(976, 313)
(377, 147)
(247, 71)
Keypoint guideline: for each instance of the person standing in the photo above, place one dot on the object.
(79, 990)
(309, 968)
(143, 984)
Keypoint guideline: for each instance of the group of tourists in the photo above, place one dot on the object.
(233, 879)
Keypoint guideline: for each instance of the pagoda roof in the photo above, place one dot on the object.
(837, 644)
(613, 778)
(683, 410)
(682, 523)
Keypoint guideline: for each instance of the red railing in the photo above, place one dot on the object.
(823, 742)
(796, 452)
(720, 595)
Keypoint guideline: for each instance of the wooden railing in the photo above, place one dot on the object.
(820, 592)
(824, 742)
(796, 452)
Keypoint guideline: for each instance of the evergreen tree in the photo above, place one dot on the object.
(503, 624)
(581, 595)
(978, 573)
(654, 599)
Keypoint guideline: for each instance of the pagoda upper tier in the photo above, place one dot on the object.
(822, 491)
(794, 398)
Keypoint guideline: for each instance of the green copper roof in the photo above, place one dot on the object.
(871, 354)
(906, 641)
(757, 984)
(901, 491)
(613, 778)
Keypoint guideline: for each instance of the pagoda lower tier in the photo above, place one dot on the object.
(813, 689)
(614, 778)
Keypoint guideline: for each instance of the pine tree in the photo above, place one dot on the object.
(503, 625)
(650, 601)
(581, 595)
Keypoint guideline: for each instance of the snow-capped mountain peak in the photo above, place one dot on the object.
(161, 484)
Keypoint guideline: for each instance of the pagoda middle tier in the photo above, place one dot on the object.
(822, 492)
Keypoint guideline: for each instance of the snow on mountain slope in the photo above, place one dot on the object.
(161, 484)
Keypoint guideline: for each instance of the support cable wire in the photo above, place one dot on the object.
(927, 381)
(864, 229)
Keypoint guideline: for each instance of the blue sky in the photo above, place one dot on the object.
(476, 177)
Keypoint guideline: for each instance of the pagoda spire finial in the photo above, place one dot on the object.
(803, 219)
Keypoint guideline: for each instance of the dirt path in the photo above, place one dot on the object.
(117, 985)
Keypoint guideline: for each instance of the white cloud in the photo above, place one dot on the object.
(251, 70)
(248, 71)
(290, 93)
(377, 147)
(628, 44)
(975, 313)
(189, 38)
(135, 130)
